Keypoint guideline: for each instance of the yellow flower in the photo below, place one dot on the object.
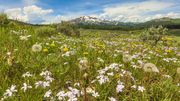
(65, 49)
(170, 39)
(52, 45)
(168, 51)
(85, 53)
(45, 50)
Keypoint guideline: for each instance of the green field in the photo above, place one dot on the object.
(100, 65)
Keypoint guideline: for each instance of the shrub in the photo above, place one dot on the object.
(68, 29)
(45, 31)
(3, 19)
(153, 34)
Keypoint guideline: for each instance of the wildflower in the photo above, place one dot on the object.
(134, 86)
(149, 67)
(166, 76)
(141, 88)
(52, 45)
(45, 50)
(76, 84)
(27, 74)
(9, 92)
(178, 70)
(45, 73)
(43, 84)
(83, 64)
(110, 74)
(68, 53)
(102, 79)
(65, 49)
(48, 94)
(25, 87)
(61, 95)
(112, 99)
(119, 87)
(95, 94)
(36, 48)
(24, 38)
(127, 58)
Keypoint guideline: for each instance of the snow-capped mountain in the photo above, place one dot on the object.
(88, 20)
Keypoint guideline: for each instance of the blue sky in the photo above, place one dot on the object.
(51, 11)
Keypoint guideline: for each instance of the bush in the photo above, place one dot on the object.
(3, 19)
(153, 34)
(45, 31)
(68, 29)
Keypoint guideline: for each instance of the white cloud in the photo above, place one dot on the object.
(137, 12)
(31, 14)
(29, 10)
(136, 8)
(16, 13)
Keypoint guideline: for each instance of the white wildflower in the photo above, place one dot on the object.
(25, 87)
(95, 94)
(24, 38)
(43, 84)
(141, 88)
(9, 92)
(27, 74)
(48, 94)
(102, 79)
(61, 95)
(119, 87)
(134, 86)
(112, 99)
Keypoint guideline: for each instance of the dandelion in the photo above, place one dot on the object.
(141, 88)
(149, 67)
(65, 49)
(25, 87)
(48, 94)
(36, 48)
(83, 64)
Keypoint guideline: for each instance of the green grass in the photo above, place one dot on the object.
(110, 46)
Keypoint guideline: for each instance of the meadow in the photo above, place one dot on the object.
(100, 65)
